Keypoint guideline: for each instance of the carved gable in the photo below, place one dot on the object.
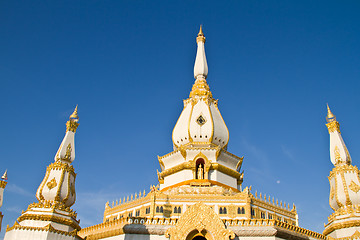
(199, 219)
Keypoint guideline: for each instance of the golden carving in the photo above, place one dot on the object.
(337, 155)
(51, 184)
(348, 201)
(200, 37)
(52, 218)
(333, 126)
(71, 126)
(332, 192)
(3, 184)
(354, 187)
(200, 88)
(200, 218)
(67, 156)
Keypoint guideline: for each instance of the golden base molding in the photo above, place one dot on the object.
(335, 226)
(47, 228)
(51, 218)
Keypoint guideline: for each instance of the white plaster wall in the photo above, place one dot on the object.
(176, 178)
(220, 130)
(222, 178)
(227, 160)
(1, 196)
(341, 196)
(68, 139)
(173, 160)
(201, 133)
(337, 140)
(181, 127)
(353, 177)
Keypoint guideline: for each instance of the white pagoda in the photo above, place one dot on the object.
(51, 217)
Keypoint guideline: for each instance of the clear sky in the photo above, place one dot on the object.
(273, 65)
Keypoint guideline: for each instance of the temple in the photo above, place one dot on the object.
(200, 194)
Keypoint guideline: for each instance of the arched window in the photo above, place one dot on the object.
(179, 209)
(220, 211)
(175, 210)
(157, 209)
(200, 164)
(225, 211)
(239, 210)
(161, 209)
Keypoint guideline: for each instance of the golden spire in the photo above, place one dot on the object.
(330, 116)
(72, 124)
(74, 115)
(4, 177)
(200, 36)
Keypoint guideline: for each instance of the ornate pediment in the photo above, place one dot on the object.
(199, 219)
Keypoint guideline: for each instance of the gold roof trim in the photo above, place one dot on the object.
(200, 88)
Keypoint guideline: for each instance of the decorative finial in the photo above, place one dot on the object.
(72, 124)
(200, 36)
(330, 116)
(74, 116)
(4, 177)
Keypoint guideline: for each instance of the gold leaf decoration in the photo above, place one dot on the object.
(199, 219)
(51, 184)
(354, 187)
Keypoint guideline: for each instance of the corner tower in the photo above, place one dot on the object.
(2, 187)
(51, 217)
(200, 138)
(344, 187)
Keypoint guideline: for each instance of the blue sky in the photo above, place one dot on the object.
(273, 65)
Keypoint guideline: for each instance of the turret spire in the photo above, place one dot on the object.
(51, 217)
(66, 150)
(330, 116)
(338, 150)
(200, 87)
(200, 67)
(4, 177)
(344, 185)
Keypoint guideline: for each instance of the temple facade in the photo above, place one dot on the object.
(199, 196)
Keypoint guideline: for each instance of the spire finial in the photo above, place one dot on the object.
(330, 116)
(200, 36)
(74, 116)
(4, 177)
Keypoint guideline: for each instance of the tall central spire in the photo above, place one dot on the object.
(200, 87)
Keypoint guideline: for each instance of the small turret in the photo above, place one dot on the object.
(2, 187)
(344, 185)
(51, 217)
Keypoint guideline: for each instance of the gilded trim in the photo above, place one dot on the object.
(51, 218)
(2, 184)
(341, 225)
(47, 228)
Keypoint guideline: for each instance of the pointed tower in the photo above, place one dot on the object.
(344, 187)
(2, 187)
(200, 138)
(51, 217)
